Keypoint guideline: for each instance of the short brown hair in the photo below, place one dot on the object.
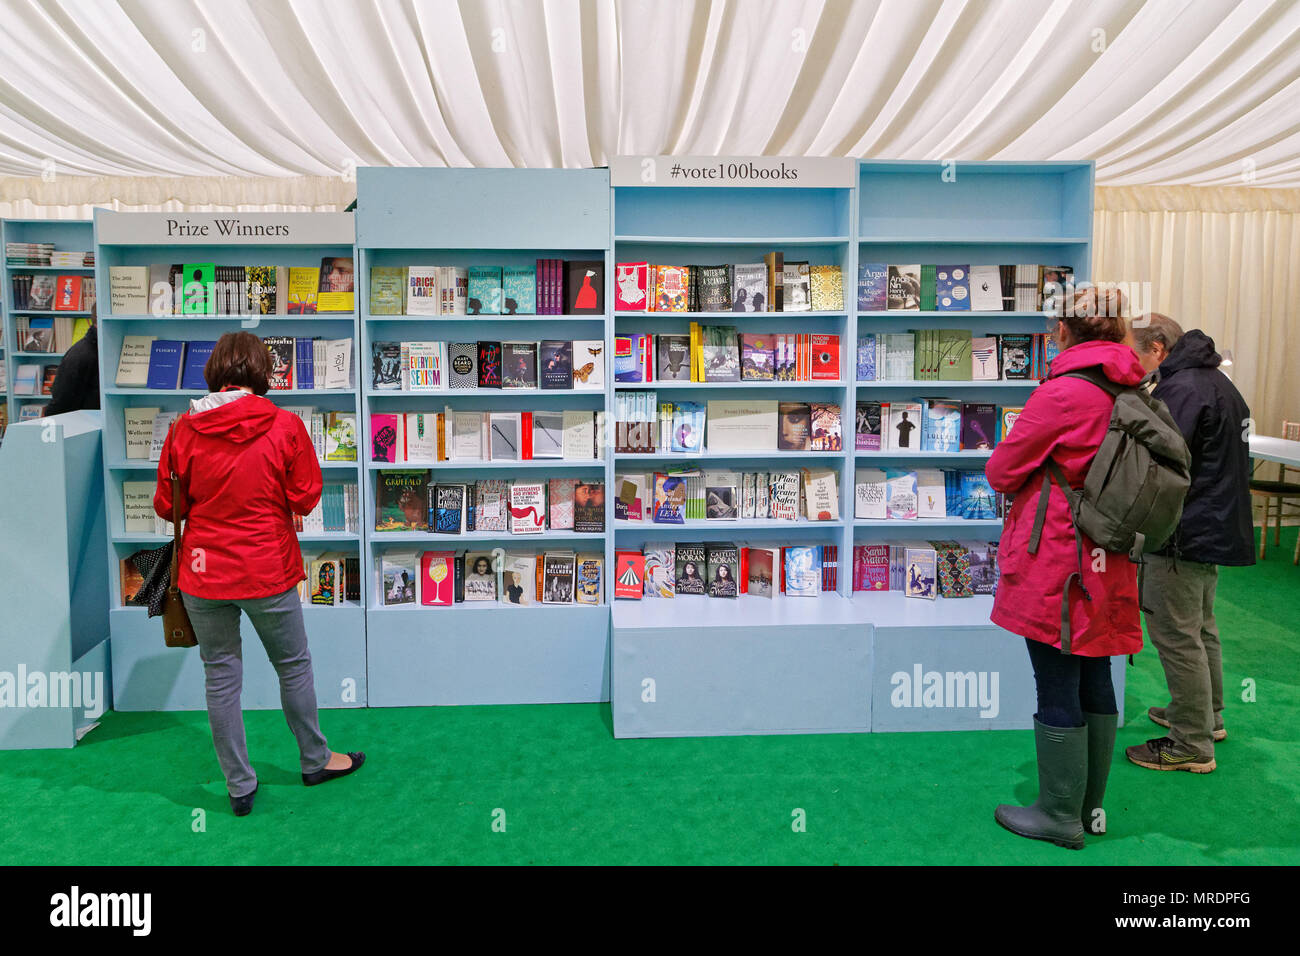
(1095, 314)
(239, 358)
(1154, 327)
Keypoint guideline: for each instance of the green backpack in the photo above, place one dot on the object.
(1132, 497)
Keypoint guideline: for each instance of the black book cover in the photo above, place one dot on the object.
(518, 365)
(584, 287)
(446, 506)
(489, 365)
(722, 563)
(555, 364)
(386, 365)
(673, 358)
(458, 578)
(715, 288)
(691, 569)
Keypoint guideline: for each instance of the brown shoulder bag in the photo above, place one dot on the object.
(177, 630)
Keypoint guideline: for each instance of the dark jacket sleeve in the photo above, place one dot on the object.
(76, 384)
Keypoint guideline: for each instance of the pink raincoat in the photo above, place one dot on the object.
(1065, 418)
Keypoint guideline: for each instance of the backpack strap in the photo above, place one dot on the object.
(1096, 376)
(1053, 473)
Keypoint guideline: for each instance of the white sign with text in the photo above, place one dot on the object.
(215, 228)
(810, 172)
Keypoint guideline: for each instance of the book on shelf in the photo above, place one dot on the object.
(558, 577)
(827, 288)
(584, 287)
(903, 290)
(519, 290)
(589, 365)
(749, 288)
(738, 425)
(952, 289)
(518, 365)
(722, 564)
(873, 287)
(632, 287)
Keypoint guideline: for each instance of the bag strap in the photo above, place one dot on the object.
(1096, 376)
(173, 582)
(1054, 474)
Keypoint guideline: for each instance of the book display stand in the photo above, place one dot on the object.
(65, 235)
(839, 661)
(147, 675)
(53, 583)
(845, 661)
(483, 652)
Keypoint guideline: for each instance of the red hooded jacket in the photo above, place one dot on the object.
(1065, 418)
(245, 468)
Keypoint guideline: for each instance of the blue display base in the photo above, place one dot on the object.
(149, 676)
(488, 654)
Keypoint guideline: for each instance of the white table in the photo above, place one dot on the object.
(1281, 450)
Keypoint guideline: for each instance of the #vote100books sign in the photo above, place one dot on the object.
(811, 172)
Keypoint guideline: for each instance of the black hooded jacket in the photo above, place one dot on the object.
(1216, 527)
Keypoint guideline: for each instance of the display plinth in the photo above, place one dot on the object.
(488, 653)
(149, 676)
(698, 666)
(54, 669)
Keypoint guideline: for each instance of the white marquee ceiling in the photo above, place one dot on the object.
(1199, 92)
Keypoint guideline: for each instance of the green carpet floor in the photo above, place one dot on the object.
(570, 793)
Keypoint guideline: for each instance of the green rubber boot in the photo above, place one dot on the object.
(1101, 745)
(1056, 815)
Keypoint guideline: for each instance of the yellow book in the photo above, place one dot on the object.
(695, 352)
(304, 284)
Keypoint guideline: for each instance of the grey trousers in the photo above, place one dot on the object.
(1181, 626)
(278, 622)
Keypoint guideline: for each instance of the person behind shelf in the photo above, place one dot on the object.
(76, 383)
(1065, 419)
(245, 468)
(1216, 528)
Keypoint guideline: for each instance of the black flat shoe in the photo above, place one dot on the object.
(320, 776)
(243, 806)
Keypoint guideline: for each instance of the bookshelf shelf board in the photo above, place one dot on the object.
(949, 314)
(678, 384)
(747, 316)
(372, 393)
(66, 269)
(903, 524)
(726, 456)
(145, 537)
(448, 542)
(965, 454)
(698, 611)
(721, 526)
(39, 355)
(172, 317)
(484, 606)
(941, 383)
(47, 312)
(198, 392)
(139, 464)
(975, 240)
(475, 464)
(326, 536)
(306, 608)
(767, 241)
(893, 609)
(489, 317)
(31, 398)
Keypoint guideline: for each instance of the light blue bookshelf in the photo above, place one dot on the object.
(840, 662)
(484, 653)
(67, 235)
(147, 675)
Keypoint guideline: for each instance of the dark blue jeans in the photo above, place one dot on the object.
(1070, 686)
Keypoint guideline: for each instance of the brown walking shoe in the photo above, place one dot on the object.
(1161, 753)
(1159, 715)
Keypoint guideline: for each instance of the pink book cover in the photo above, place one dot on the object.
(871, 567)
(383, 437)
(631, 286)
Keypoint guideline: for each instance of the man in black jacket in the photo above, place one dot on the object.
(1216, 528)
(76, 383)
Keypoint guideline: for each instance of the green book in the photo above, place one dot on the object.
(954, 355)
(929, 288)
(199, 288)
(387, 290)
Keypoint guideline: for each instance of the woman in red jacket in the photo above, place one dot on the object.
(1065, 419)
(246, 468)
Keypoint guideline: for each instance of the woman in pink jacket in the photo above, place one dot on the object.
(1074, 730)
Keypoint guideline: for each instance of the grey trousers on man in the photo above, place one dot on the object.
(1180, 595)
(278, 622)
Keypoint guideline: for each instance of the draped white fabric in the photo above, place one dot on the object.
(247, 95)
